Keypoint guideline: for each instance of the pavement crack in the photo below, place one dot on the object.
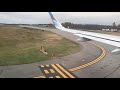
(112, 72)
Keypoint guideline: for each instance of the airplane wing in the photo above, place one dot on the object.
(104, 38)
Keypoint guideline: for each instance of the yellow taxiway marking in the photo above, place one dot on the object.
(58, 71)
(57, 76)
(47, 65)
(46, 71)
(52, 71)
(92, 62)
(42, 65)
(51, 77)
(65, 71)
(40, 77)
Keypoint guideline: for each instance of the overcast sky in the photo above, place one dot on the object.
(104, 18)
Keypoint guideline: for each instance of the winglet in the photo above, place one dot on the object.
(55, 21)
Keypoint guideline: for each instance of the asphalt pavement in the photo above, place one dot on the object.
(107, 67)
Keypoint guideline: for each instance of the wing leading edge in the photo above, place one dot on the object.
(104, 38)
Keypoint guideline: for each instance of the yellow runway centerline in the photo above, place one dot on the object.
(92, 62)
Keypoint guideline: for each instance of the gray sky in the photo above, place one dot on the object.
(104, 18)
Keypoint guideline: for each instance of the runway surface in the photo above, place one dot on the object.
(93, 61)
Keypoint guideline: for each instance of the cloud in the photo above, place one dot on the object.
(24, 17)
(75, 17)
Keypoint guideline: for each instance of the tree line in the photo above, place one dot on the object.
(90, 26)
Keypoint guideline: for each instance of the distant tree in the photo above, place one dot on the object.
(119, 25)
(114, 25)
(67, 24)
(87, 26)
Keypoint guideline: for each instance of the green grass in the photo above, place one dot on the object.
(22, 46)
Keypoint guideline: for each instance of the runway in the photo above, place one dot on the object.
(84, 64)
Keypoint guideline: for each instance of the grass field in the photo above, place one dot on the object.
(22, 45)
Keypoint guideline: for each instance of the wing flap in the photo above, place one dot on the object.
(117, 44)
